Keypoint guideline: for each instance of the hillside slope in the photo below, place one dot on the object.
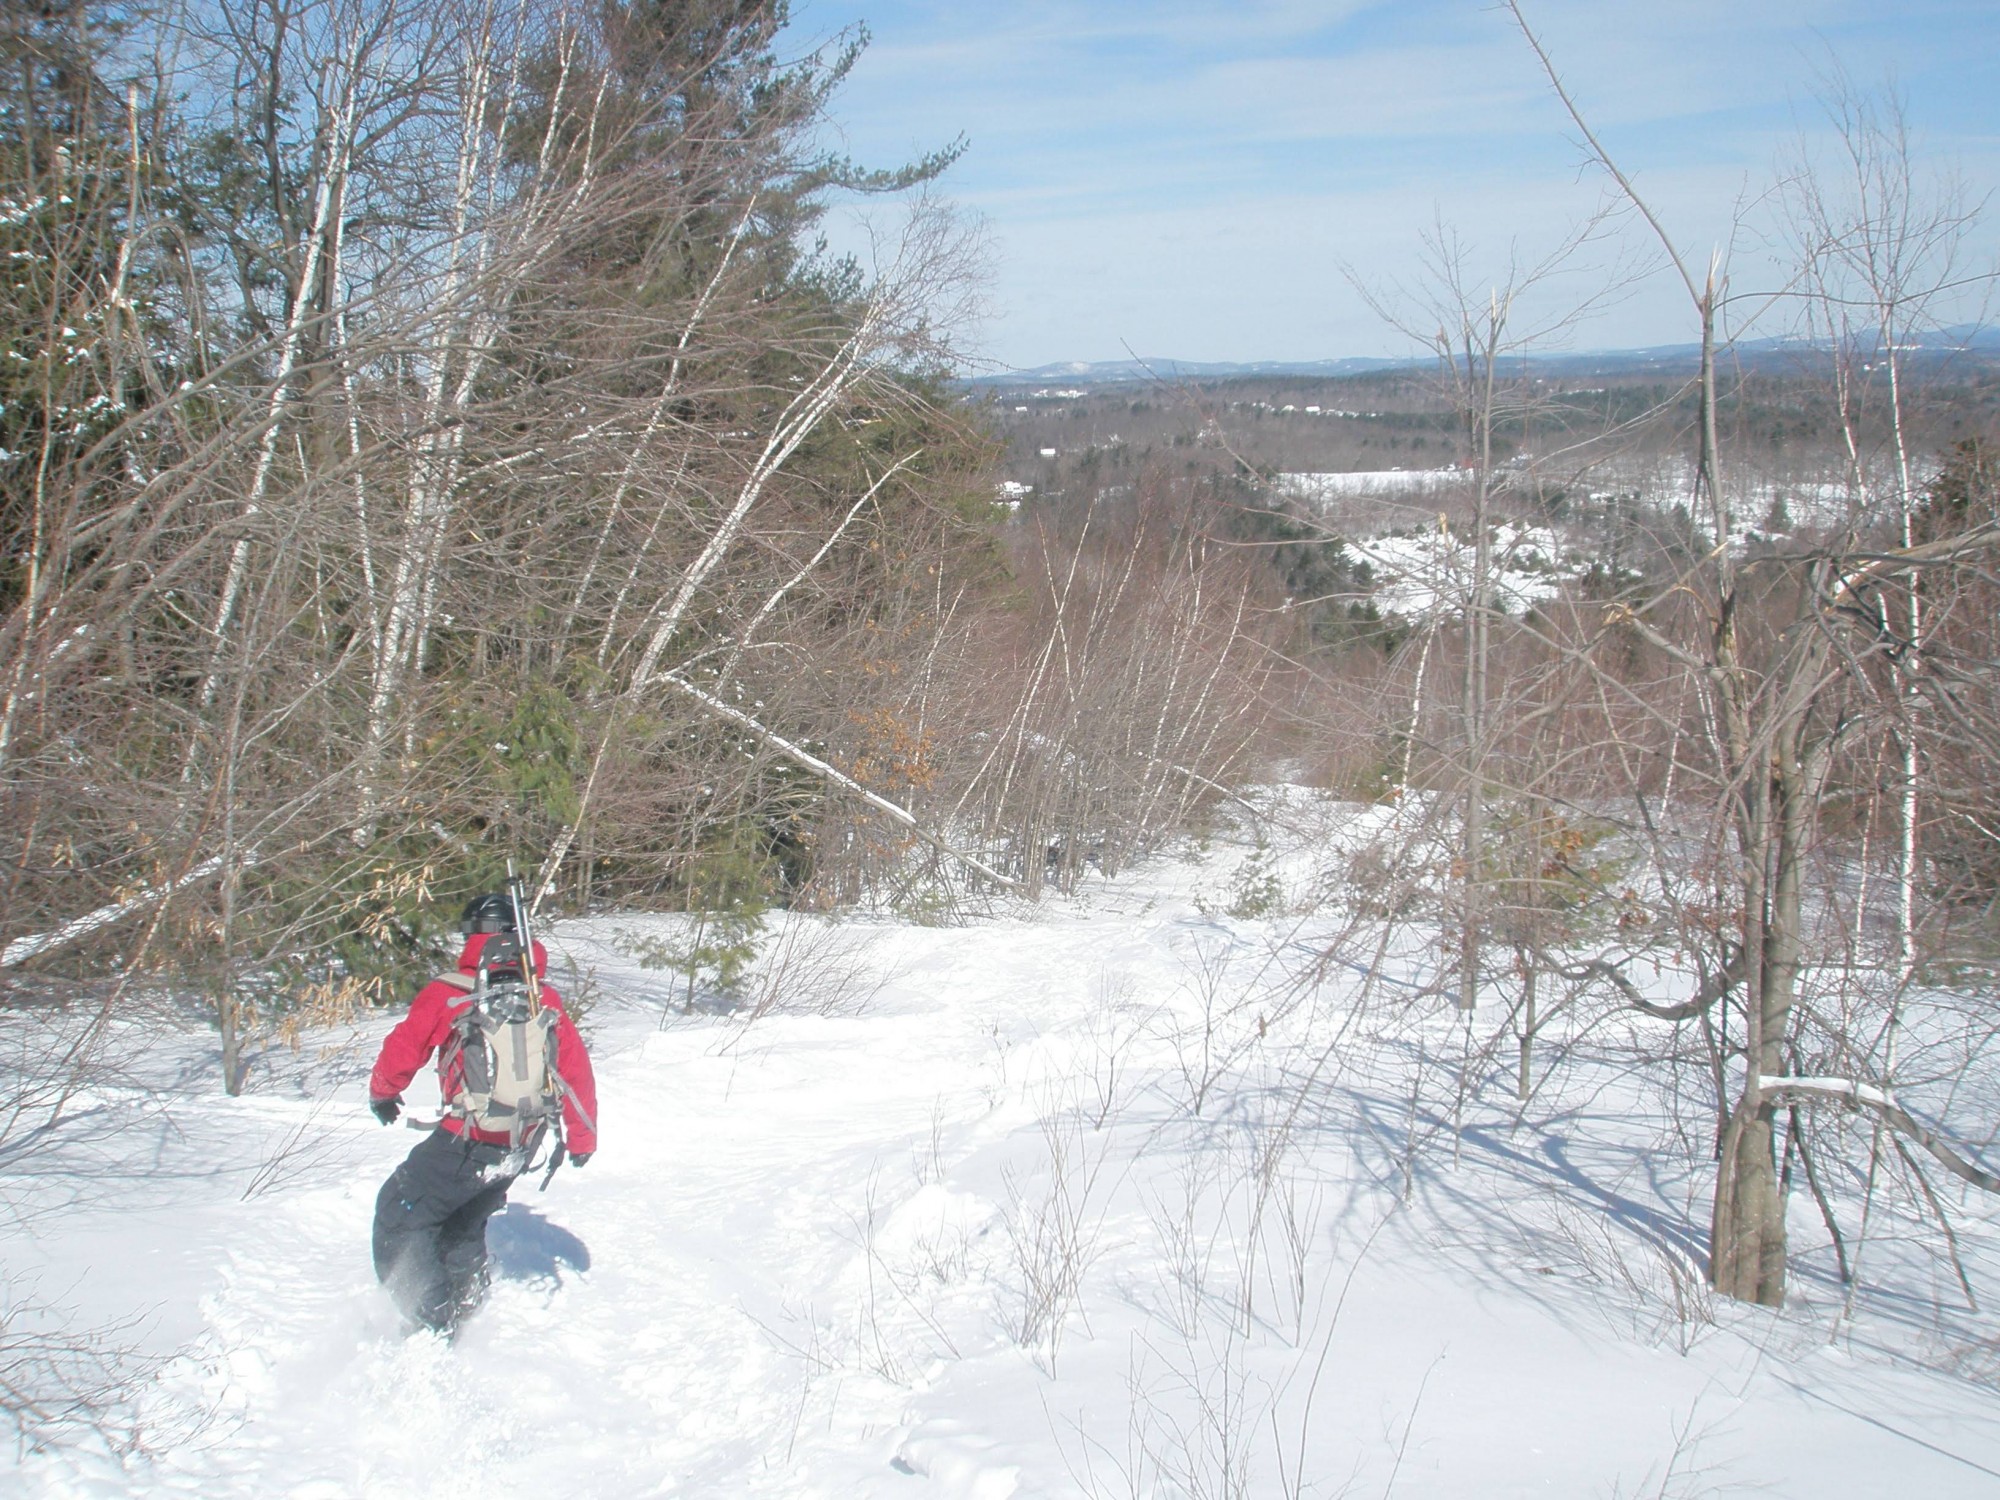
(965, 1234)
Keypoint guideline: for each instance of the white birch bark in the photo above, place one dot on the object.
(456, 362)
(748, 634)
(413, 566)
(33, 945)
(833, 774)
(641, 448)
(797, 422)
(334, 168)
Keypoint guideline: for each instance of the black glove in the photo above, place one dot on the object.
(387, 1109)
(579, 1158)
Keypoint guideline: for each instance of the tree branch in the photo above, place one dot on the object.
(34, 944)
(1712, 988)
(1883, 1105)
(818, 767)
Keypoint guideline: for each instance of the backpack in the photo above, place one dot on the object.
(499, 1064)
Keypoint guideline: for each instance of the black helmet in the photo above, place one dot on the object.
(492, 912)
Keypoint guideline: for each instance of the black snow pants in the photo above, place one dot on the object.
(430, 1227)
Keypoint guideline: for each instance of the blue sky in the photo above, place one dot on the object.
(1189, 180)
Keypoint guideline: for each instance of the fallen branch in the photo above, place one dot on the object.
(34, 944)
(1215, 786)
(839, 778)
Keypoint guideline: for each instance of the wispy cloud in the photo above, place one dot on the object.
(1184, 178)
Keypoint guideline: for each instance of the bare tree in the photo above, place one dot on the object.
(1777, 648)
(358, 339)
(1482, 346)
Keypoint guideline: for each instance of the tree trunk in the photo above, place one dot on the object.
(1747, 1234)
(1524, 1083)
(1747, 1250)
(229, 1023)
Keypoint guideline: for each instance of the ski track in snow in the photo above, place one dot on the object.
(792, 1269)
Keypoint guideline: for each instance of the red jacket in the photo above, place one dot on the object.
(419, 1035)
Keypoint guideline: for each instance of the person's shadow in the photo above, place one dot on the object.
(524, 1246)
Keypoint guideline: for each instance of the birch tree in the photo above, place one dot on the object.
(439, 428)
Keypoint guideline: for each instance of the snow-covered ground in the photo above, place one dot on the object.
(1426, 573)
(1317, 488)
(1090, 1199)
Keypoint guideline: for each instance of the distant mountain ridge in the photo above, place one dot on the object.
(1764, 355)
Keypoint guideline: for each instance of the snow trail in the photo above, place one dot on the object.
(805, 1260)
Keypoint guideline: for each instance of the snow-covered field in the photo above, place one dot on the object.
(1090, 1199)
(1318, 488)
(1428, 573)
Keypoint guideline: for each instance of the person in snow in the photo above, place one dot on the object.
(429, 1236)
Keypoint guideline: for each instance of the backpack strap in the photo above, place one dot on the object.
(465, 984)
(569, 1097)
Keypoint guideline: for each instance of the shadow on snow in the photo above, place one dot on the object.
(524, 1246)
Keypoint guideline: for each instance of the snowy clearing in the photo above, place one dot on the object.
(1318, 488)
(951, 1224)
(1429, 574)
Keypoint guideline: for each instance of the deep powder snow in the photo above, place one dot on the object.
(948, 1223)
